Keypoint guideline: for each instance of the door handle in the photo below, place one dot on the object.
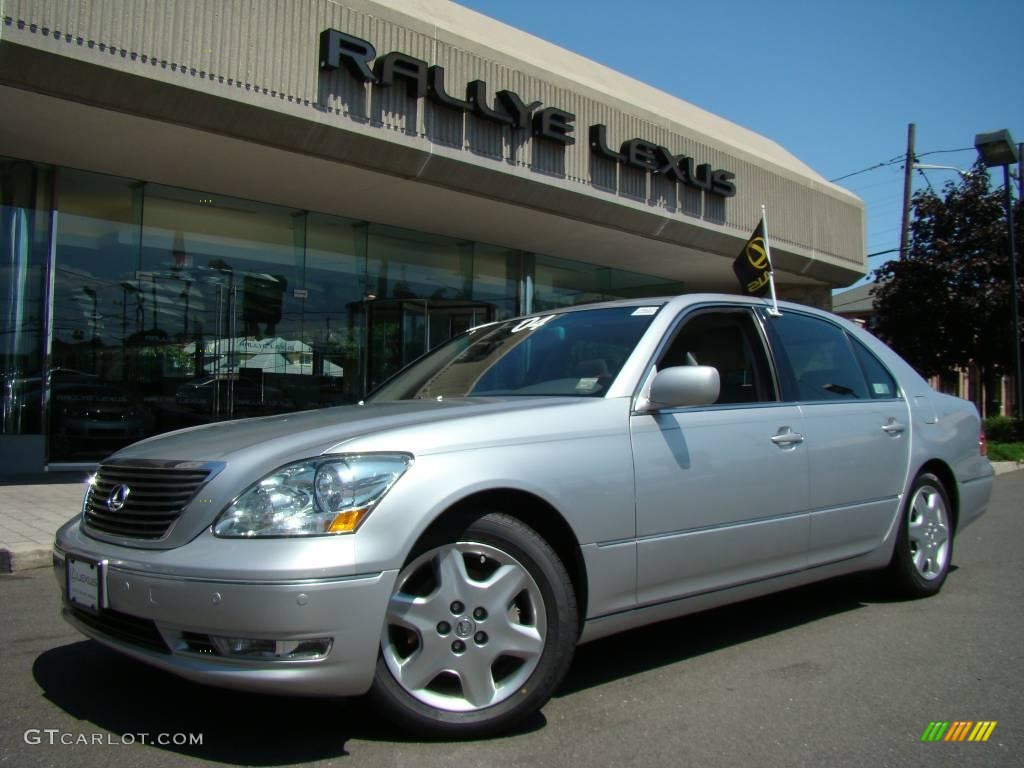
(893, 427)
(787, 438)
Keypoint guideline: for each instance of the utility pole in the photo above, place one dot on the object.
(908, 171)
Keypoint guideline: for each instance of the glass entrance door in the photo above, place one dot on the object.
(206, 385)
(400, 330)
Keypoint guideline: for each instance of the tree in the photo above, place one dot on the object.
(946, 304)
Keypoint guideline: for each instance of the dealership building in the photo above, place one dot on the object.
(218, 209)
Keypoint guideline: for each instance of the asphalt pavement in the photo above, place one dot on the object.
(834, 674)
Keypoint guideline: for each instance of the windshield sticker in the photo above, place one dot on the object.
(532, 323)
(587, 385)
(645, 311)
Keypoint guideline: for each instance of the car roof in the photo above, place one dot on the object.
(684, 300)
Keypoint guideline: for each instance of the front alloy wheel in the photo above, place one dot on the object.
(479, 630)
(465, 627)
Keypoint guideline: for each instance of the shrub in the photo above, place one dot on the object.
(1003, 429)
(1006, 451)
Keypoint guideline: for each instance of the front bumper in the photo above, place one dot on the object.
(169, 621)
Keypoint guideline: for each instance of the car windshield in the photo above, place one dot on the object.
(570, 354)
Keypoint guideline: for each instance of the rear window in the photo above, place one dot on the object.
(821, 359)
(881, 384)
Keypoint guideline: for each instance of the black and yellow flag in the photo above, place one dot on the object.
(752, 266)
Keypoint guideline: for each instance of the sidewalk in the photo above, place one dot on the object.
(30, 515)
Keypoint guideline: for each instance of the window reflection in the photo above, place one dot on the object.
(226, 323)
(24, 243)
(176, 307)
(96, 402)
(563, 283)
(333, 317)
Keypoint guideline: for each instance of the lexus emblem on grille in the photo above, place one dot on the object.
(118, 498)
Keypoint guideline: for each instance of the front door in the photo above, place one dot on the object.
(721, 489)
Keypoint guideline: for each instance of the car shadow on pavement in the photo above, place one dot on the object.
(676, 640)
(125, 698)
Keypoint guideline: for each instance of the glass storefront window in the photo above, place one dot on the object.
(95, 400)
(24, 244)
(563, 283)
(334, 316)
(173, 307)
(423, 289)
(220, 276)
(496, 278)
(411, 265)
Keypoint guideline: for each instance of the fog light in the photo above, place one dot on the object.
(291, 650)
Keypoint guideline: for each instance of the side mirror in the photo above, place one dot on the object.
(684, 385)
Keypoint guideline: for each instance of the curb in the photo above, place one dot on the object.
(1002, 467)
(24, 557)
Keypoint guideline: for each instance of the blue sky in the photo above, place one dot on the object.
(835, 83)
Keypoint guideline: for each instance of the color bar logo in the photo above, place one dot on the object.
(958, 730)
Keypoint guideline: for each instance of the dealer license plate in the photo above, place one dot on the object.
(85, 583)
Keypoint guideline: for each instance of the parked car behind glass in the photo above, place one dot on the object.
(530, 485)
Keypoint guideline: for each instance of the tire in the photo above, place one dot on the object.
(924, 546)
(480, 630)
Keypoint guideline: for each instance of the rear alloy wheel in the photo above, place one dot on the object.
(478, 631)
(924, 547)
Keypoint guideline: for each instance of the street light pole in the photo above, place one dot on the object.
(1020, 170)
(997, 148)
(1008, 197)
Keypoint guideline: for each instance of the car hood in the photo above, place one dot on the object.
(309, 433)
(243, 451)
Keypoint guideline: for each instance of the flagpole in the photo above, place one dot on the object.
(774, 311)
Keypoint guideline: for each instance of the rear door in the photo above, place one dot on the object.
(721, 489)
(857, 429)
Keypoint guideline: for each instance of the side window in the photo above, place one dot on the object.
(728, 341)
(881, 384)
(822, 362)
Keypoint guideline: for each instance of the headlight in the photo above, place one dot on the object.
(88, 492)
(314, 497)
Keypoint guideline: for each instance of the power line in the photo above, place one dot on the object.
(882, 202)
(869, 168)
(899, 159)
(947, 151)
(877, 232)
(861, 190)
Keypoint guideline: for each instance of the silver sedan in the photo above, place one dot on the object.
(529, 485)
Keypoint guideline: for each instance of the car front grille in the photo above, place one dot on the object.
(120, 626)
(155, 498)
